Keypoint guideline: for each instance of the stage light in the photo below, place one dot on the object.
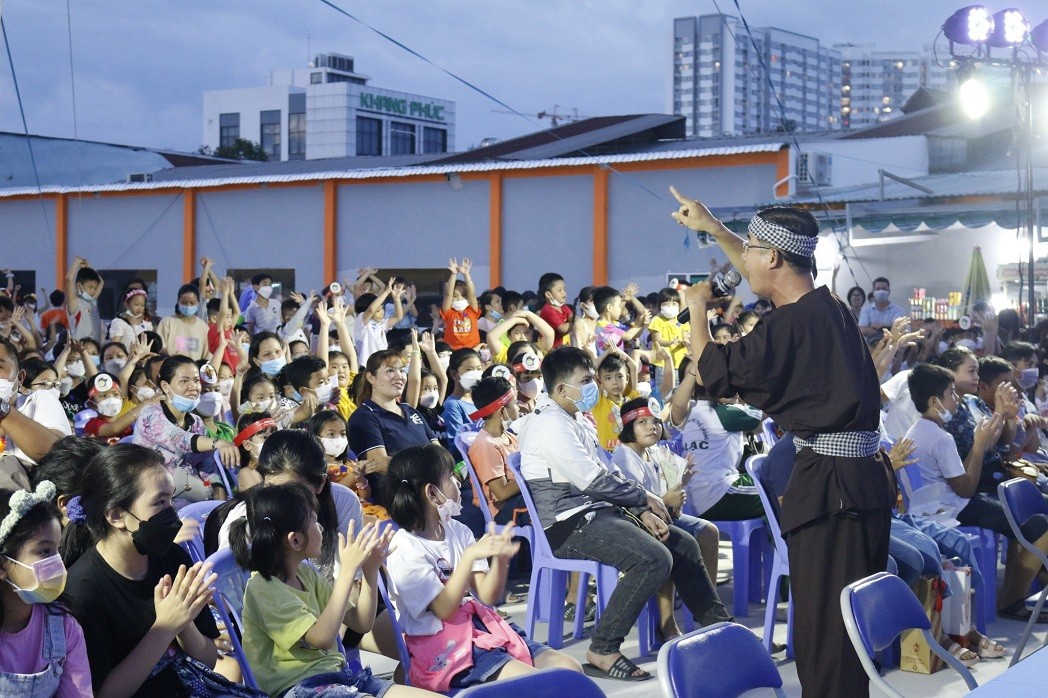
(1039, 37)
(1010, 28)
(970, 25)
(975, 100)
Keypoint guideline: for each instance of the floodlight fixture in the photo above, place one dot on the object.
(1010, 28)
(1039, 37)
(970, 25)
(975, 99)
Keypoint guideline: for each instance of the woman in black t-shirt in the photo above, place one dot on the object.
(141, 601)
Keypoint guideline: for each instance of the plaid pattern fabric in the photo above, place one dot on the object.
(781, 237)
(842, 444)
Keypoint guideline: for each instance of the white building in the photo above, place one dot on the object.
(328, 111)
(723, 78)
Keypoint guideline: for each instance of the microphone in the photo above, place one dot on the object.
(722, 284)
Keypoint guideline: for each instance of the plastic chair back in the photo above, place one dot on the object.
(1022, 500)
(548, 683)
(877, 610)
(768, 435)
(910, 480)
(198, 511)
(541, 544)
(394, 619)
(755, 469)
(722, 660)
(463, 441)
(229, 479)
(229, 604)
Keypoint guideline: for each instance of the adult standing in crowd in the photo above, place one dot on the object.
(806, 365)
(881, 313)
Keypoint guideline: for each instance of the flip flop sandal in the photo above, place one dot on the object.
(1019, 611)
(988, 649)
(964, 655)
(622, 670)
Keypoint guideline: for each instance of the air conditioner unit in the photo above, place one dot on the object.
(139, 177)
(815, 169)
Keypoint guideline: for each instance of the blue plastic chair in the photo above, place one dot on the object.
(229, 479)
(549, 578)
(198, 511)
(548, 683)
(723, 660)
(877, 610)
(463, 441)
(1021, 500)
(229, 604)
(748, 543)
(768, 435)
(780, 566)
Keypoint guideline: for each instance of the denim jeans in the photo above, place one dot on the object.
(645, 563)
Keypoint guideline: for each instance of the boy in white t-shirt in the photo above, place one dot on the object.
(372, 324)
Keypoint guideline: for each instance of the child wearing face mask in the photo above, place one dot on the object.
(616, 376)
(42, 649)
(184, 332)
(113, 422)
(461, 310)
(209, 409)
(555, 310)
(342, 466)
(443, 582)
(371, 323)
(527, 369)
(263, 315)
(311, 389)
(464, 370)
(584, 332)
(252, 431)
(667, 332)
(83, 287)
(133, 320)
(490, 451)
(430, 404)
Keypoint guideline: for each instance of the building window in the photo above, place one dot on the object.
(228, 129)
(316, 78)
(369, 136)
(270, 136)
(296, 136)
(434, 140)
(401, 138)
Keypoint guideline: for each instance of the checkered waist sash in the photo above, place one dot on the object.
(842, 444)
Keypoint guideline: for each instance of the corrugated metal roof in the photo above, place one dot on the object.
(375, 173)
(982, 183)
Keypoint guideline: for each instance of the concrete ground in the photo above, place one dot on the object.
(943, 684)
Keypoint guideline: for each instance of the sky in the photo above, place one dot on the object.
(138, 68)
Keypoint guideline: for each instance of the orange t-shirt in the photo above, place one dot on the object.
(55, 315)
(460, 329)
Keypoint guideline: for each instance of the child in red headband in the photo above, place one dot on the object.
(496, 402)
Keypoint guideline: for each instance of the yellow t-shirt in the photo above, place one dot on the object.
(276, 616)
(346, 406)
(671, 331)
(606, 415)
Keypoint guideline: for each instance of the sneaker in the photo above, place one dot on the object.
(569, 612)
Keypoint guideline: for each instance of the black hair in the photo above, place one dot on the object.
(1016, 351)
(301, 453)
(27, 526)
(289, 304)
(627, 435)
(156, 343)
(799, 222)
(927, 381)
(298, 372)
(85, 274)
(722, 326)
(603, 296)
(612, 363)
(118, 345)
(990, 367)
(12, 351)
(410, 472)
(272, 513)
(461, 356)
(561, 363)
(110, 481)
(853, 289)
(363, 302)
(254, 379)
(745, 316)
(171, 365)
(89, 340)
(953, 357)
(260, 277)
(398, 339)
(511, 299)
(33, 367)
(700, 392)
(488, 390)
(256, 343)
(546, 282)
(243, 423)
(883, 280)
(376, 361)
(214, 306)
(668, 295)
(441, 346)
(57, 298)
(485, 298)
(64, 464)
(186, 288)
(7, 304)
(316, 423)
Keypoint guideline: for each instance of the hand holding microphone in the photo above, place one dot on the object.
(722, 284)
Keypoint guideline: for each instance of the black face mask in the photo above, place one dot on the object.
(156, 534)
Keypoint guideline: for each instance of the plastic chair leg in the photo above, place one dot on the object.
(769, 612)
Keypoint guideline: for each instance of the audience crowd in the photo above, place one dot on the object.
(310, 419)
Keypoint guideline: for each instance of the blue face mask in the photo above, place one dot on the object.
(590, 395)
(272, 367)
(496, 315)
(188, 310)
(184, 404)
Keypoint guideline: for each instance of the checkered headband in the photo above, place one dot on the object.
(781, 237)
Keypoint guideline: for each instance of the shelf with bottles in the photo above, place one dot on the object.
(943, 309)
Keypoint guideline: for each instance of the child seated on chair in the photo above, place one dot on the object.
(443, 584)
(660, 471)
(292, 614)
(494, 398)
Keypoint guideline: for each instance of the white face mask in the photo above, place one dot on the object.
(444, 360)
(144, 393)
(590, 310)
(554, 302)
(469, 379)
(324, 393)
(110, 407)
(459, 305)
(76, 369)
(210, 404)
(7, 389)
(967, 344)
(54, 392)
(944, 414)
(335, 446)
(448, 509)
(265, 291)
(65, 385)
(669, 311)
(644, 389)
(428, 399)
(531, 388)
(225, 387)
(114, 366)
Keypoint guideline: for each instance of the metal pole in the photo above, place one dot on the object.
(1028, 145)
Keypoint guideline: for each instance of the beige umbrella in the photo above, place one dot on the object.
(977, 285)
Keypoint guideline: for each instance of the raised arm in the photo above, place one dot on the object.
(449, 287)
(694, 215)
(414, 386)
(471, 291)
(72, 299)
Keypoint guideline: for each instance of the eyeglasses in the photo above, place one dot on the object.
(46, 385)
(747, 246)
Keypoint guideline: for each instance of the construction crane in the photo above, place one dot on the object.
(556, 117)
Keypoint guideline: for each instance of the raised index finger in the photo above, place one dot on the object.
(677, 195)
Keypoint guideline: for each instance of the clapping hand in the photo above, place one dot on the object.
(179, 601)
(494, 544)
(901, 453)
(354, 548)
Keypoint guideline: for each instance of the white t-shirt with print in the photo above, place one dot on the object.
(938, 460)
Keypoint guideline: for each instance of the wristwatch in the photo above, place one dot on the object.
(5, 409)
